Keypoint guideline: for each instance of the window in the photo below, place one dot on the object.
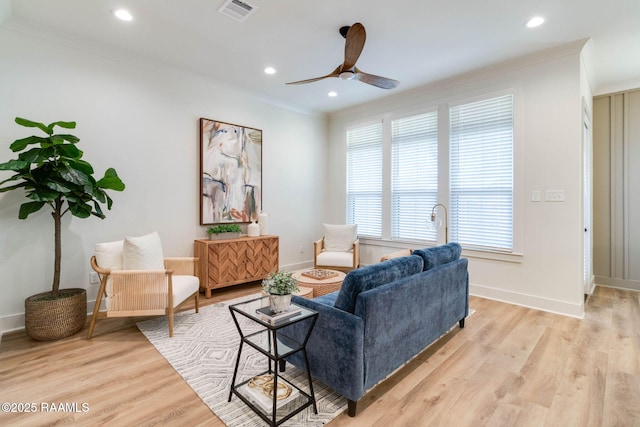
(364, 179)
(481, 174)
(414, 176)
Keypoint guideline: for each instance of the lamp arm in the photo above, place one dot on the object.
(446, 219)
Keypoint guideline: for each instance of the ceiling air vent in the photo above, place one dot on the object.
(237, 9)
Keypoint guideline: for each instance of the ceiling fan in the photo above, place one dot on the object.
(355, 36)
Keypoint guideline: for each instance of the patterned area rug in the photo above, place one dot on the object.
(203, 351)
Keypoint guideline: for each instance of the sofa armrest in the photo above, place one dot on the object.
(335, 349)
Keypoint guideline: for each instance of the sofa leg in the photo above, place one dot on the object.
(351, 407)
(461, 323)
(282, 364)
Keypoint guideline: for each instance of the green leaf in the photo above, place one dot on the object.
(43, 194)
(111, 181)
(36, 155)
(66, 125)
(12, 187)
(14, 165)
(80, 210)
(30, 124)
(72, 175)
(71, 138)
(80, 165)
(21, 144)
(60, 187)
(98, 210)
(28, 208)
(56, 140)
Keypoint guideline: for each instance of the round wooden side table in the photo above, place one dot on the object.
(320, 286)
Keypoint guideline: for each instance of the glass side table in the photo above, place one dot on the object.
(268, 394)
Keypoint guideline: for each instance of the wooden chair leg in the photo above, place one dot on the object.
(96, 307)
(170, 322)
(197, 299)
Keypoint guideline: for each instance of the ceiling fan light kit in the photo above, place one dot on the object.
(355, 36)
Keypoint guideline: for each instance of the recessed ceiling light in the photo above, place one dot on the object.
(333, 93)
(536, 21)
(123, 14)
(270, 70)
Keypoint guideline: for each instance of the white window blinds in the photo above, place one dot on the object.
(414, 176)
(364, 179)
(481, 169)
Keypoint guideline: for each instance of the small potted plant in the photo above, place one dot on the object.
(279, 286)
(224, 231)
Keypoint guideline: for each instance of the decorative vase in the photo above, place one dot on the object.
(47, 319)
(279, 303)
(263, 222)
(253, 230)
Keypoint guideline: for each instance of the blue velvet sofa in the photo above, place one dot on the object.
(383, 315)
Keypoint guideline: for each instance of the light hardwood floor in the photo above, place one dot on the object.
(509, 366)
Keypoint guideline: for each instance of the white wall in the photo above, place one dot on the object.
(548, 272)
(142, 119)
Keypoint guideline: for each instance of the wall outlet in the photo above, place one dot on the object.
(94, 279)
(555, 196)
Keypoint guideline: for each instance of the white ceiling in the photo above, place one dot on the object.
(414, 41)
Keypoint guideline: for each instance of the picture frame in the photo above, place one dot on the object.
(230, 172)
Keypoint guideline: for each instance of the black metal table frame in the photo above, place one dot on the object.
(273, 355)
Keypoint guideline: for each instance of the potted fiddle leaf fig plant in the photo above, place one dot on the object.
(279, 287)
(51, 172)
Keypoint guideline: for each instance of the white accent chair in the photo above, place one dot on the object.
(136, 280)
(339, 248)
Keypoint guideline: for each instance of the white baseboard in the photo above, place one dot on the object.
(531, 301)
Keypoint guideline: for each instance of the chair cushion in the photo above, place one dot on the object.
(372, 276)
(143, 253)
(339, 238)
(109, 255)
(335, 259)
(439, 255)
(183, 288)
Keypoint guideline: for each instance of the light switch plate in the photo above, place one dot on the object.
(535, 196)
(555, 196)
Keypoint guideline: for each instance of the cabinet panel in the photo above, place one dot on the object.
(230, 262)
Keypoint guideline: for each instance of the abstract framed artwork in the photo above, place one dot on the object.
(230, 172)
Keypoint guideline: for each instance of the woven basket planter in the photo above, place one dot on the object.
(47, 319)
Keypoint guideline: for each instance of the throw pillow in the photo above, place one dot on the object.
(339, 238)
(143, 253)
(109, 255)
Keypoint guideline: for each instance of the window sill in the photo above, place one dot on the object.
(467, 253)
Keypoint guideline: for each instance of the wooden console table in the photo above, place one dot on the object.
(234, 261)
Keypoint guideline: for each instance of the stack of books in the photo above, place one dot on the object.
(267, 315)
(256, 395)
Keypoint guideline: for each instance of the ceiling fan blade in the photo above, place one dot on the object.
(356, 36)
(381, 82)
(334, 73)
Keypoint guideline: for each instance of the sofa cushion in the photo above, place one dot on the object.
(372, 276)
(143, 253)
(439, 255)
(183, 288)
(335, 259)
(339, 238)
